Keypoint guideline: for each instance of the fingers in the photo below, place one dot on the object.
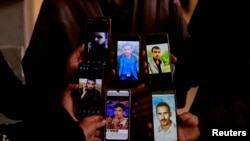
(173, 62)
(97, 133)
(79, 50)
(188, 134)
(150, 131)
(173, 58)
(150, 125)
(144, 62)
(188, 119)
(99, 121)
(78, 53)
(67, 92)
(141, 88)
(97, 139)
(71, 87)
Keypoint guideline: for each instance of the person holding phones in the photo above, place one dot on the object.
(59, 27)
(15, 104)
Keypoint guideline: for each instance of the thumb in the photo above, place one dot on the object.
(188, 119)
(100, 123)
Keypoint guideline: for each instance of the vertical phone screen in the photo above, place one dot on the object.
(158, 57)
(97, 39)
(128, 56)
(164, 116)
(89, 97)
(117, 115)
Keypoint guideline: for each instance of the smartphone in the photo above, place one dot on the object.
(97, 40)
(89, 96)
(164, 115)
(128, 59)
(117, 114)
(159, 60)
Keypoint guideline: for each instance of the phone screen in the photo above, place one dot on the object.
(97, 39)
(158, 57)
(128, 56)
(164, 116)
(117, 115)
(89, 98)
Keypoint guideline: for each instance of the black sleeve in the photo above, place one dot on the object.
(13, 93)
(64, 128)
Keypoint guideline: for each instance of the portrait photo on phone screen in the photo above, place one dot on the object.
(128, 60)
(158, 60)
(164, 117)
(117, 117)
(97, 39)
(159, 64)
(89, 97)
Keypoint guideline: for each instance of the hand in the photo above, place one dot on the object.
(72, 64)
(188, 127)
(91, 126)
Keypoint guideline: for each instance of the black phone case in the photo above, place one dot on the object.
(159, 79)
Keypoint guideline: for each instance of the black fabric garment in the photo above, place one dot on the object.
(12, 98)
(221, 56)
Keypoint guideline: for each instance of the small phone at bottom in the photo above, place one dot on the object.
(164, 116)
(117, 114)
